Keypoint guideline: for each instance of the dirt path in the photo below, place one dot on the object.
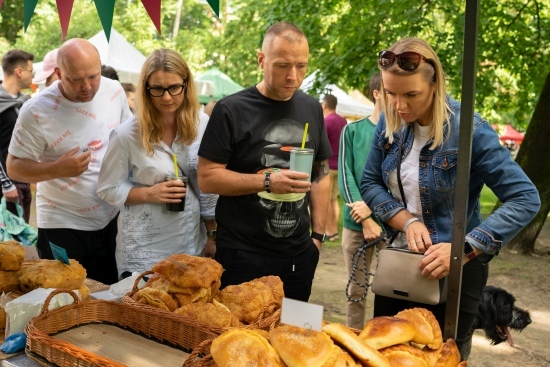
(527, 278)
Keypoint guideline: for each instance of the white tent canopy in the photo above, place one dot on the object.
(117, 53)
(347, 106)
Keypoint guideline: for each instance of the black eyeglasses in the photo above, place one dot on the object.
(408, 61)
(173, 90)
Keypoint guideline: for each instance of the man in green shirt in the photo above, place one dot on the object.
(359, 221)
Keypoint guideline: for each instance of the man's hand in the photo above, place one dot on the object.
(285, 182)
(69, 165)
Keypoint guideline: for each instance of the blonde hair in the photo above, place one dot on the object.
(151, 129)
(432, 72)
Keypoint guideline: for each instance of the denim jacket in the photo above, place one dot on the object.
(491, 164)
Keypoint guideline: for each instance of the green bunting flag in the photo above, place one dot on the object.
(28, 11)
(105, 10)
(215, 5)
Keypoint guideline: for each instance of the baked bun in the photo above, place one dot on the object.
(276, 285)
(299, 347)
(427, 328)
(243, 347)
(155, 297)
(365, 354)
(345, 360)
(403, 355)
(12, 254)
(449, 356)
(214, 314)
(9, 281)
(384, 331)
(188, 271)
(52, 274)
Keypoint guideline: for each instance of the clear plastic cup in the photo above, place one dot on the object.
(176, 207)
(301, 160)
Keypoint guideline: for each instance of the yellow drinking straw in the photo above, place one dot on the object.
(175, 164)
(305, 135)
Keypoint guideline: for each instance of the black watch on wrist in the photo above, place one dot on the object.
(211, 233)
(318, 236)
(267, 182)
(469, 251)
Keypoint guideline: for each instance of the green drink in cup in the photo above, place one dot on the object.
(301, 160)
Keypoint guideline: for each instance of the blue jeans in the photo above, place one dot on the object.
(295, 272)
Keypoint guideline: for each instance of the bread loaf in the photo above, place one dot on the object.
(403, 355)
(384, 331)
(52, 274)
(12, 254)
(427, 328)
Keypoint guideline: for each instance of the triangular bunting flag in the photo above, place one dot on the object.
(153, 9)
(105, 10)
(1, 2)
(215, 5)
(28, 11)
(64, 9)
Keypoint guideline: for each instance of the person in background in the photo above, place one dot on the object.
(48, 73)
(334, 123)
(420, 117)
(141, 155)
(130, 91)
(18, 72)
(265, 210)
(59, 141)
(210, 106)
(109, 72)
(359, 221)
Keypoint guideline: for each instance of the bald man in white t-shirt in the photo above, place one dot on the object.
(59, 141)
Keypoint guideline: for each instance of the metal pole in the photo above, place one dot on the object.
(463, 166)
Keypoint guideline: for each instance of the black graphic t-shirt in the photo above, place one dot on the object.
(253, 134)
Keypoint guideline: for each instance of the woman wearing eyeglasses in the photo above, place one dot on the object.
(162, 138)
(420, 117)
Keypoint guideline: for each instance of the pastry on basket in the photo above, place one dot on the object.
(243, 347)
(214, 314)
(404, 355)
(247, 300)
(155, 297)
(52, 274)
(299, 347)
(276, 285)
(9, 281)
(345, 360)
(12, 254)
(188, 271)
(385, 331)
(446, 356)
(427, 328)
(347, 338)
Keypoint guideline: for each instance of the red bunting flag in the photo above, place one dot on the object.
(64, 9)
(153, 9)
(105, 10)
(1, 2)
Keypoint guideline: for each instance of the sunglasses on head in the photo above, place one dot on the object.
(408, 61)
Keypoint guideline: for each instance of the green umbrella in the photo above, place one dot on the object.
(217, 86)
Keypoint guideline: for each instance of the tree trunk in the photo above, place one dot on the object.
(533, 158)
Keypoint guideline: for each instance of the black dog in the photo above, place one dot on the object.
(497, 314)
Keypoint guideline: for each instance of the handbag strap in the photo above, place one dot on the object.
(399, 183)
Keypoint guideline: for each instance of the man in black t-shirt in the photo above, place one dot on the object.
(265, 211)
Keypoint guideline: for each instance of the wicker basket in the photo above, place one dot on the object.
(185, 335)
(261, 322)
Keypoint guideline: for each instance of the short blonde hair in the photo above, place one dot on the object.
(151, 129)
(432, 72)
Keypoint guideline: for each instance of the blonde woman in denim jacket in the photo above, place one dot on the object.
(418, 112)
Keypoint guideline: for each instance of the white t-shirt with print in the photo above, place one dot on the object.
(50, 125)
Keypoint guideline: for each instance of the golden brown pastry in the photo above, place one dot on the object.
(299, 347)
(365, 354)
(52, 274)
(2, 318)
(403, 355)
(214, 314)
(84, 292)
(9, 281)
(463, 364)
(427, 328)
(12, 254)
(345, 360)
(449, 356)
(244, 300)
(155, 297)
(276, 285)
(242, 347)
(385, 331)
(188, 271)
